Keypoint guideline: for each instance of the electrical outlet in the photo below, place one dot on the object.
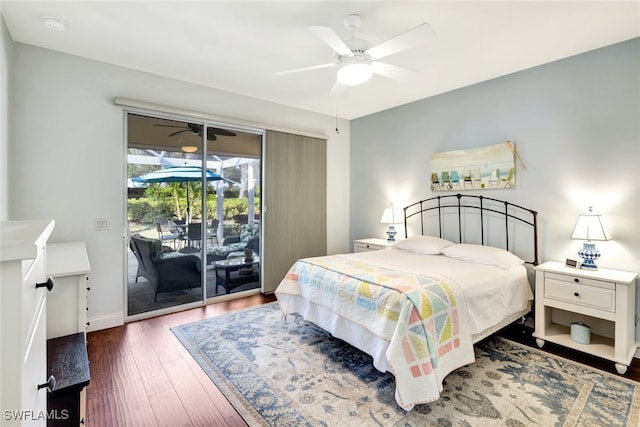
(101, 224)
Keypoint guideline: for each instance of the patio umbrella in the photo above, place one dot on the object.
(178, 174)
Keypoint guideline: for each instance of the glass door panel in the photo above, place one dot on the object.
(234, 205)
(164, 210)
(180, 213)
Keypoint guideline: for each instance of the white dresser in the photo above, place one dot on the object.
(68, 264)
(23, 318)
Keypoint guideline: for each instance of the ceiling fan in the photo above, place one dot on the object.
(197, 130)
(358, 60)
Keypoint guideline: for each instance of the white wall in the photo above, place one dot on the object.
(6, 52)
(69, 153)
(575, 124)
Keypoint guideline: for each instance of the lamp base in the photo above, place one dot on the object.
(589, 254)
(391, 233)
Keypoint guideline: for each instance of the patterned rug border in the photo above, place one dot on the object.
(235, 398)
(252, 417)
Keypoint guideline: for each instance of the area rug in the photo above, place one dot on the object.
(292, 373)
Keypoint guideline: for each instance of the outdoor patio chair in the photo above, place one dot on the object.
(165, 271)
(446, 181)
(467, 179)
(455, 180)
(435, 182)
(168, 232)
(494, 178)
(253, 243)
(233, 243)
(508, 182)
(194, 237)
(212, 230)
(477, 178)
(241, 219)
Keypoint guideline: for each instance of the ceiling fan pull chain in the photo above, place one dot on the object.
(337, 103)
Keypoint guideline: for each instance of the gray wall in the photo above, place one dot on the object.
(575, 124)
(68, 154)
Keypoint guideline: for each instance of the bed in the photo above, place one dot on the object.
(419, 306)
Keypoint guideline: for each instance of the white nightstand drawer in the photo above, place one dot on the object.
(373, 244)
(363, 247)
(581, 294)
(580, 280)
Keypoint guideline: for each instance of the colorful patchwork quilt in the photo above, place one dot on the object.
(423, 317)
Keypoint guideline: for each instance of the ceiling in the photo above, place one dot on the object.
(238, 46)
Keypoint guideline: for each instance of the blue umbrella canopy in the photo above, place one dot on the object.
(178, 174)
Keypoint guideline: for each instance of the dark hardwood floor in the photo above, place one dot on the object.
(142, 376)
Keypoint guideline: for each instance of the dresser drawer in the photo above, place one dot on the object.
(32, 297)
(601, 298)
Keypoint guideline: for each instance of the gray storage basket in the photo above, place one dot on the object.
(580, 333)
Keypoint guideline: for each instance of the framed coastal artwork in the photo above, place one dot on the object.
(479, 168)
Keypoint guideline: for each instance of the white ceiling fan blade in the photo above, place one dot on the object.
(297, 70)
(392, 71)
(404, 41)
(329, 36)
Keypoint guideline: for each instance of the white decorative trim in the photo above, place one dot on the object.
(105, 322)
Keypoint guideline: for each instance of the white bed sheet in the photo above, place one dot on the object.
(494, 297)
(492, 294)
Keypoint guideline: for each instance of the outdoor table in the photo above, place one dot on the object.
(234, 272)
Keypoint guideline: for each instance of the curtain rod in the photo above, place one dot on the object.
(247, 125)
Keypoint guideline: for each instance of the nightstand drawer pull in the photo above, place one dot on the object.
(576, 280)
(575, 294)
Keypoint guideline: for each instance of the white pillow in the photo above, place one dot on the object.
(482, 255)
(428, 245)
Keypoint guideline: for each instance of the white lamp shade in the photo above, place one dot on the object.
(589, 227)
(392, 216)
(354, 74)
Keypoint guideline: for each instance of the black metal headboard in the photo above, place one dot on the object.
(475, 218)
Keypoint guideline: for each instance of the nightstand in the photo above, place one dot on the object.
(373, 244)
(605, 300)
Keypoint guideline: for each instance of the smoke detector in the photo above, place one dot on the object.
(54, 23)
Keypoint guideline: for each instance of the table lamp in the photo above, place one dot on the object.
(590, 226)
(392, 216)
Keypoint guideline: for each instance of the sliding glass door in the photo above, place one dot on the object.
(193, 218)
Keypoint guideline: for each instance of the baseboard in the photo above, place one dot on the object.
(105, 322)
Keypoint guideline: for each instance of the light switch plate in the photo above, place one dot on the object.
(101, 224)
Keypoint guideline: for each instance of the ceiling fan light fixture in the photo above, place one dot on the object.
(354, 74)
(189, 148)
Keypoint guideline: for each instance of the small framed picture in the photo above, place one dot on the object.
(572, 263)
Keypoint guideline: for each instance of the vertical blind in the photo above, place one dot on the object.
(295, 200)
